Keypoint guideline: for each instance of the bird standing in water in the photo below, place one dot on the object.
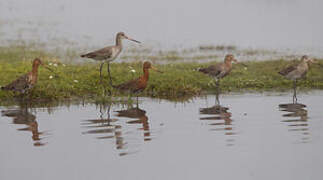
(138, 85)
(26, 82)
(298, 71)
(219, 71)
(109, 53)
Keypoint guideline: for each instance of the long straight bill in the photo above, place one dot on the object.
(155, 69)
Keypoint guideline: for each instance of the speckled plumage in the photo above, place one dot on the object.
(25, 82)
(297, 71)
(219, 70)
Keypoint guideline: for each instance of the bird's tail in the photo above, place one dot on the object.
(202, 70)
(282, 73)
(89, 55)
(197, 69)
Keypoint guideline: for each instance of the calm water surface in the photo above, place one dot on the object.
(248, 137)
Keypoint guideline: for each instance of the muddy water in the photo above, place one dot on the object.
(247, 136)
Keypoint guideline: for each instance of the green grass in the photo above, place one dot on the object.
(179, 80)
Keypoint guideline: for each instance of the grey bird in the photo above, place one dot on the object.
(109, 53)
(219, 71)
(297, 71)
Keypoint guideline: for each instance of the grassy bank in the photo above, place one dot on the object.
(178, 80)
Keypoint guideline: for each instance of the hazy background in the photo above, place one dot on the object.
(273, 24)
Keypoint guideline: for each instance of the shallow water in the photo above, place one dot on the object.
(252, 136)
(268, 24)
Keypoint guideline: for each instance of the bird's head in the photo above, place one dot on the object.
(230, 58)
(122, 35)
(147, 65)
(306, 59)
(38, 62)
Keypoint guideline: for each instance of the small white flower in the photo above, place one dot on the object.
(64, 65)
(50, 64)
(76, 81)
(245, 68)
(50, 77)
(55, 65)
(132, 70)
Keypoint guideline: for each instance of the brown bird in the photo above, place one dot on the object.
(109, 53)
(26, 82)
(298, 71)
(138, 85)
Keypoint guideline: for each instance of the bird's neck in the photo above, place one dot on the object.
(304, 64)
(228, 64)
(34, 70)
(146, 74)
(118, 41)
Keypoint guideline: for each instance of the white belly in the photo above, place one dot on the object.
(115, 54)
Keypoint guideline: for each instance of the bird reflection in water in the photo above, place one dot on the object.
(104, 128)
(108, 128)
(295, 116)
(219, 118)
(140, 118)
(22, 116)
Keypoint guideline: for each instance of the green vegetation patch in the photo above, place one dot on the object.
(178, 80)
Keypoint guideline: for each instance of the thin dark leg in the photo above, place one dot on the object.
(108, 111)
(101, 66)
(217, 93)
(109, 74)
(101, 111)
(294, 96)
(137, 100)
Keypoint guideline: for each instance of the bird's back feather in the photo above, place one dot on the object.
(22, 84)
(213, 70)
(287, 70)
(132, 86)
(101, 54)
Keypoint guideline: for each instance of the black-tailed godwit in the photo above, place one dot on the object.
(138, 85)
(297, 71)
(26, 82)
(109, 53)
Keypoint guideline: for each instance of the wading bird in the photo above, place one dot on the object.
(220, 70)
(138, 85)
(109, 53)
(298, 71)
(26, 82)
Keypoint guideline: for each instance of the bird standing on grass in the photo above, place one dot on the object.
(220, 70)
(26, 82)
(298, 71)
(138, 85)
(109, 53)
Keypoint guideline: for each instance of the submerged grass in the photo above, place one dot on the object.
(180, 80)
